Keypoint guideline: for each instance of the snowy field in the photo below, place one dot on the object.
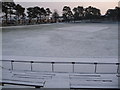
(82, 42)
(58, 41)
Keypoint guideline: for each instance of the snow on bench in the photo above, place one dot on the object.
(23, 83)
(93, 81)
(74, 79)
(13, 78)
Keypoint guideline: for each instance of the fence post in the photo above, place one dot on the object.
(95, 67)
(52, 66)
(118, 67)
(12, 64)
(31, 65)
(73, 66)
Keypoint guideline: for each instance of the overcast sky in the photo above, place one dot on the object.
(103, 5)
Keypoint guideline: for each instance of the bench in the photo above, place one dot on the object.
(92, 81)
(23, 83)
(12, 79)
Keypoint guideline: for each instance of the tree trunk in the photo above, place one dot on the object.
(18, 19)
(40, 18)
(6, 16)
(10, 15)
(37, 20)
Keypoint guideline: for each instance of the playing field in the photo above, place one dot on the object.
(76, 40)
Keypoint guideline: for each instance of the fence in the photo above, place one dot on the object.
(95, 67)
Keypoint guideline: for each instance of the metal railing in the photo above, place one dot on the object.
(53, 63)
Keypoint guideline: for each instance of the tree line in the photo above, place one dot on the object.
(80, 13)
(15, 14)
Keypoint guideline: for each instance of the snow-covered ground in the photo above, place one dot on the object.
(82, 40)
(61, 80)
(79, 42)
